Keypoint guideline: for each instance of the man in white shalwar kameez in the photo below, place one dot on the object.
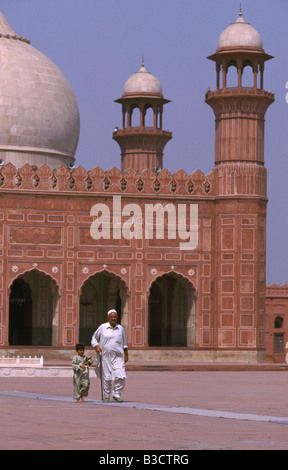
(109, 340)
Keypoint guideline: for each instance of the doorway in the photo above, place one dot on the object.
(171, 312)
(33, 310)
(101, 293)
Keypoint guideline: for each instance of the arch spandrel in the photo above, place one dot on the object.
(19, 269)
(88, 271)
(185, 274)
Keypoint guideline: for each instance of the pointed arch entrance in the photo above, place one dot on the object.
(171, 312)
(20, 313)
(101, 293)
(33, 310)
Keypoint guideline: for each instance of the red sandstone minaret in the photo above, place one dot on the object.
(240, 110)
(142, 146)
(241, 190)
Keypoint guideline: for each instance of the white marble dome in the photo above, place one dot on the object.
(240, 33)
(142, 82)
(39, 117)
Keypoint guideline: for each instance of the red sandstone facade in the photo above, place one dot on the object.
(276, 322)
(58, 281)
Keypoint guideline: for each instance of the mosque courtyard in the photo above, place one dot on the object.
(177, 411)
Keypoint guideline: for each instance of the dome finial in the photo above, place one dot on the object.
(240, 10)
(142, 60)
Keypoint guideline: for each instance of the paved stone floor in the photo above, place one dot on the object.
(167, 410)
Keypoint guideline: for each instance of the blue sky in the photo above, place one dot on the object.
(99, 44)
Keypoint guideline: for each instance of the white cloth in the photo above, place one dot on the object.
(112, 342)
(118, 388)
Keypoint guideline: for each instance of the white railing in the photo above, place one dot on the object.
(21, 361)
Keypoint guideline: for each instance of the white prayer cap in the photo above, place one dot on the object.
(112, 311)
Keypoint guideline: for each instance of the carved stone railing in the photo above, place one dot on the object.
(111, 181)
(239, 91)
(8, 361)
(243, 179)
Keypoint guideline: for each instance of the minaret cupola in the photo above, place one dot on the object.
(142, 143)
(239, 107)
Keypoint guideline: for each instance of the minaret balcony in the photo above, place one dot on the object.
(230, 91)
(140, 131)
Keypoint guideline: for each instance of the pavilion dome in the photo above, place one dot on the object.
(39, 117)
(240, 33)
(142, 82)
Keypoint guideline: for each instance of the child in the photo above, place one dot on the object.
(80, 366)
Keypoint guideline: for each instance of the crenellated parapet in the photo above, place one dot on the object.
(96, 180)
(238, 179)
(276, 290)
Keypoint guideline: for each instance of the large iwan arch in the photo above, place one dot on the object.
(33, 310)
(171, 312)
(100, 293)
